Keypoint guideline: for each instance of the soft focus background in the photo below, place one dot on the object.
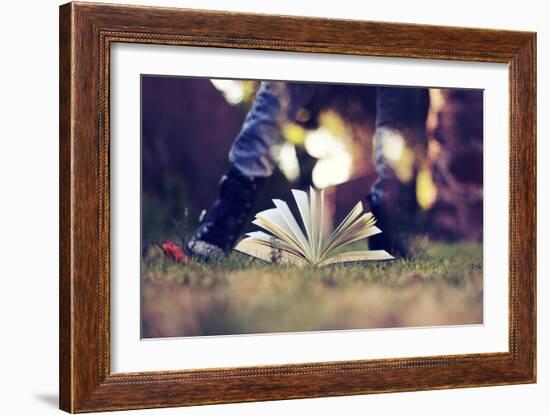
(188, 126)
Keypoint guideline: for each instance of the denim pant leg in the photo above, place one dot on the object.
(275, 102)
(250, 152)
(399, 140)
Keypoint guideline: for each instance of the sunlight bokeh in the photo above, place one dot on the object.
(287, 161)
(233, 91)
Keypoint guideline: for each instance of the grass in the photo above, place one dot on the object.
(441, 285)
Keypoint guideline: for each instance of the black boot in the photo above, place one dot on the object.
(391, 221)
(224, 221)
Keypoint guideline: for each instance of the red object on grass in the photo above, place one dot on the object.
(174, 252)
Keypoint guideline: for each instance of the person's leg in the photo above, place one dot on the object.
(251, 162)
(399, 142)
(251, 150)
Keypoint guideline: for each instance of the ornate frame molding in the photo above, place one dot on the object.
(86, 33)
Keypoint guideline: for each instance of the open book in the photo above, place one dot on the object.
(286, 242)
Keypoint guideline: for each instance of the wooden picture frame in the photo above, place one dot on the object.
(86, 33)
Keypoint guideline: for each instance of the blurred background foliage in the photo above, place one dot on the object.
(188, 126)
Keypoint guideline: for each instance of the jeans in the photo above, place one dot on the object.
(400, 130)
(275, 103)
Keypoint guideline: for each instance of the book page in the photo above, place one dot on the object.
(321, 222)
(270, 240)
(344, 224)
(293, 225)
(272, 221)
(360, 228)
(354, 233)
(314, 221)
(380, 255)
(251, 247)
(303, 207)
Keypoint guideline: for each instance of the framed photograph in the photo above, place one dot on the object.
(258, 207)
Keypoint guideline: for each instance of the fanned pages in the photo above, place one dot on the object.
(285, 241)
